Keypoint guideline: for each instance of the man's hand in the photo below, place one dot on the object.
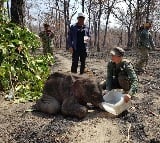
(71, 50)
(86, 39)
(127, 97)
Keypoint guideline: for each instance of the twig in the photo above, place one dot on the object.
(153, 113)
(129, 128)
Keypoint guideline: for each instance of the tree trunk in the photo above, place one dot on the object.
(110, 7)
(105, 32)
(82, 5)
(89, 19)
(95, 30)
(1, 6)
(17, 12)
(129, 43)
(120, 38)
(66, 19)
(148, 10)
(99, 23)
(138, 22)
(60, 38)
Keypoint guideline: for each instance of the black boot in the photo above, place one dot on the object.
(73, 69)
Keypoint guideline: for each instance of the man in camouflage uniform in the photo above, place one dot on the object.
(144, 45)
(46, 36)
(121, 74)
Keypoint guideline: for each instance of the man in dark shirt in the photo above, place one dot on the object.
(78, 37)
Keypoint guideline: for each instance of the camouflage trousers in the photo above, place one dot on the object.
(47, 48)
(143, 58)
(122, 82)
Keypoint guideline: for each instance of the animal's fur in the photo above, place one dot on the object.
(69, 93)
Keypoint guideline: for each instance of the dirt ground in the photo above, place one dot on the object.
(139, 124)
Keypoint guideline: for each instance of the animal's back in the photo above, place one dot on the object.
(59, 85)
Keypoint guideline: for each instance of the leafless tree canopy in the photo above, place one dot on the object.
(128, 15)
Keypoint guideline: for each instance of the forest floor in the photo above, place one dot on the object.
(141, 124)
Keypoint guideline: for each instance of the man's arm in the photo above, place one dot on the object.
(70, 38)
(88, 32)
(109, 76)
(151, 41)
(132, 78)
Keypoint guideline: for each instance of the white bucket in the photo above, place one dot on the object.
(114, 102)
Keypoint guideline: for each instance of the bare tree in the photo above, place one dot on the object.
(109, 6)
(136, 13)
(59, 13)
(95, 12)
(98, 24)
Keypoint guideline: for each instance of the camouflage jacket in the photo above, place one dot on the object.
(46, 37)
(146, 40)
(124, 68)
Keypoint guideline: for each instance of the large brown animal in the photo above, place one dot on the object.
(69, 93)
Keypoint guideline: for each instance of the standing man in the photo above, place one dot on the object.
(144, 45)
(46, 36)
(78, 37)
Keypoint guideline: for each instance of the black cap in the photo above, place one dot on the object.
(117, 52)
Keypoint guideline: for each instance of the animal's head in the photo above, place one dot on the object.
(89, 90)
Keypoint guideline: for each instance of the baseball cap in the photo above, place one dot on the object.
(117, 51)
(81, 15)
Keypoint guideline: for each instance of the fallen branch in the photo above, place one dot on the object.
(129, 128)
(153, 113)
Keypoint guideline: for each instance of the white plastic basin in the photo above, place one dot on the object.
(114, 103)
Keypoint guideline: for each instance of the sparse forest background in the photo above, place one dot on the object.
(128, 15)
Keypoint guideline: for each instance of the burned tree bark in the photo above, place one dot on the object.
(17, 11)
